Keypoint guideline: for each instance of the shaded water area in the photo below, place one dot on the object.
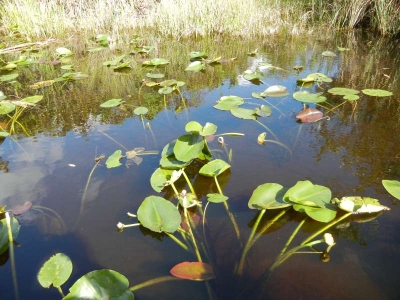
(351, 152)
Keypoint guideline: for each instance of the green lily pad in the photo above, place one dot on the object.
(214, 168)
(113, 160)
(343, 91)
(122, 66)
(351, 97)
(316, 77)
(197, 55)
(243, 113)
(112, 103)
(165, 90)
(195, 66)
(393, 187)
(263, 111)
(253, 76)
(209, 129)
(114, 61)
(55, 271)
(198, 271)
(62, 51)
(194, 127)
(4, 243)
(319, 214)
(268, 196)
(33, 99)
(155, 75)
(328, 54)
(100, 284)
(377, 93)
(4, 134)
(216, 198)
(156, 62)
(276, 91)
(188, 147)
(141, 110)
(228, 102)
(6, 107)
(307, 97)
(159, 179)
(308, 194)
(159, 215)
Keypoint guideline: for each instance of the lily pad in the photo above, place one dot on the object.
(55, 271)
(393, 187)
(33, 99)
(268, 196)
(112, 103)
(216, 198)
(377, 93)
(158, 215)
(155, 75)
(113, 160)
(276, 91)
(209, 129)
(4, 233)
(165, 90)
(195, 66)
(253, 76)
(193, 271)
(309, 194)
(328, 54)
(8, 77)
(263, 111)
(156, 62)
(316, 77)
(194, 127)
(159, 179)
(244, 113)
(6, 107)
(101, 284)
(188, 147)
(351, 97)
(228, 102)
(307, 97)
(141, 110)
(62, 51)
(309, 115)
(214, 168)
(319, 214)
(343, 91)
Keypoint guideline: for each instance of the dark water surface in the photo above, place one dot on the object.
(350, 153)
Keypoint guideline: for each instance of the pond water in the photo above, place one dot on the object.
(351, 152)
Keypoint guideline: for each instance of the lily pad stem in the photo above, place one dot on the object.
(196, 249)
(269, 130)
(176, 240)
(60, 291)
(152, 281)
(322, 230)
(188, 182)
(293, 235)
(12, 258)
(240, 267)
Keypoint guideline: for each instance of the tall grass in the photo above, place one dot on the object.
(181, 18)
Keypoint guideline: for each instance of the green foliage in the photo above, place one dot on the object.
(55, 271)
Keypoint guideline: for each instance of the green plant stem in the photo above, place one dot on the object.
(175, 190)
(86, 188)
(12, 257)
(188, 182)
(152, 281)
(231, 216)
(240, 267)
(269, 130)
(60, 291)
(293, 235)
(176, 240)
(196, 249)
(325, 228)
(40, 208)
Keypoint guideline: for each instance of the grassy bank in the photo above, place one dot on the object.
(181, 18)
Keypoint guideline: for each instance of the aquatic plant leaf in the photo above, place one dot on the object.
(209, 129)
(307, 97)
(169, 82)
(171, 163)
(9, 67)
(141, 110)
(341, 49)
(97, 49)
(243, 113)
(4, 134)
(62, 51)
(159, 179)
(100, 284)
(165, 90)
(194, 127)
(377, 93)
(67, 67)
(343, 91)
(122, 66)
(114, 61)
(228, 102)
(309, 115)
(360, 205)
(253, 76)
(2, 96)
(193, 271)
(197, 55)
(351, 97)
(112, 103)
(258, 95)
(156, 62)
(393, 187)
(276, 91)
(328, 54)
(155, 75)
(216, 198)
(20, 209)
(263, 111)
(6, 107)
(33, 99)
(214, 168)
(195, 66)
(308, 194)
(268, 196)
(261, 138)
(317, 77)
(8, 77)
(113, 160)
(55, 271)
(319, 214)
(214, 61)
(188, 147)
(189, 200)
(102, 39)
(158, 215)
(4, 233)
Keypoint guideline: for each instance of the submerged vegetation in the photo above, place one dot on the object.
(180, 18)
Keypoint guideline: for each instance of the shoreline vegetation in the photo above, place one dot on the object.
(189, 18)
